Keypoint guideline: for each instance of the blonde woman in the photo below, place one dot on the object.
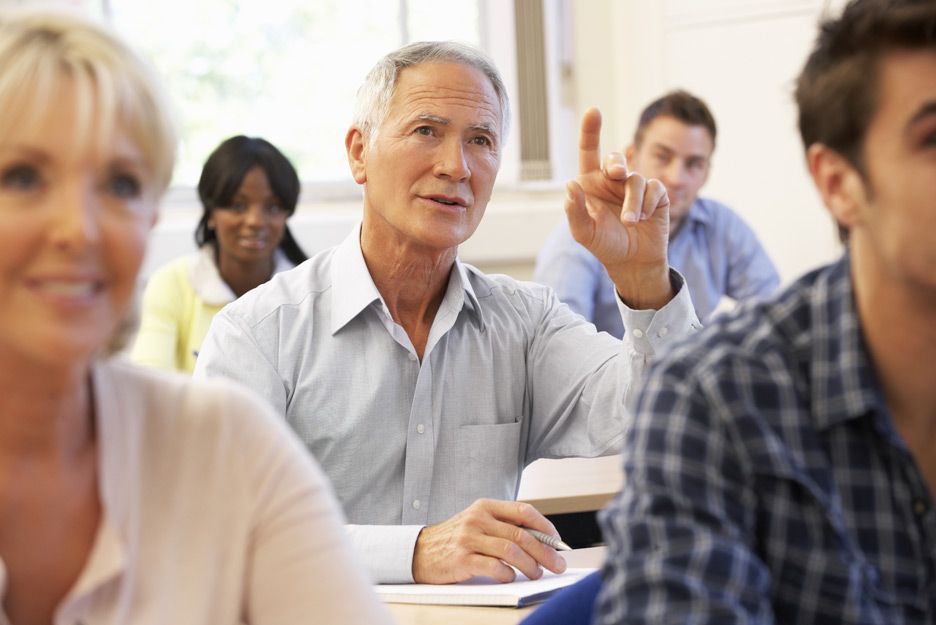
(128, 496)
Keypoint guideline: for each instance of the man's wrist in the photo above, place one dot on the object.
(648, 289)
(416, 574)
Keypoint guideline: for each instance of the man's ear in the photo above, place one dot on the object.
(356, 147)
(841, 185)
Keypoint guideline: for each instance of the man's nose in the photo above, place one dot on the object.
(452, 162)
(675, 173)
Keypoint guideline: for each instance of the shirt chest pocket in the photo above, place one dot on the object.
(491, 458)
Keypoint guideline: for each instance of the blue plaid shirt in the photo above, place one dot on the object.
(765, 481)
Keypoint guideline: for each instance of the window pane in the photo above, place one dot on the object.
(286, 70)
(432, 20)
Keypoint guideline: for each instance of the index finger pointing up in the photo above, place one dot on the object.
(589, 160)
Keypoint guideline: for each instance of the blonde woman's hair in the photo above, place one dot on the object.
(41, 51)
(113, 85)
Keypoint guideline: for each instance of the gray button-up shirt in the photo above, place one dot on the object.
(509, 375)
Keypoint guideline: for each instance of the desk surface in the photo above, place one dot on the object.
(410, 614)
(571, 484)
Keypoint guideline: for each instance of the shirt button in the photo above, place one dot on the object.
(919, 507)
(663, 332)
(417, 504)
(638, 333)
(420, 428)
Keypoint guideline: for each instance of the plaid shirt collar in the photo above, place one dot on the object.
(845, 385)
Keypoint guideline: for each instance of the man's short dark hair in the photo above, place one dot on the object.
(837, 91)
(679, 104)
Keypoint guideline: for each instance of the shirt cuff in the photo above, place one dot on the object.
(652, 330)
(386, 550)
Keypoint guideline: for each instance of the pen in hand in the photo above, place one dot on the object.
(546, 539)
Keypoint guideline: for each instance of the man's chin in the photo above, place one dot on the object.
(679, 211)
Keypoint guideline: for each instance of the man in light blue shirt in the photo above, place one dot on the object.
(710, 245)
(421, 385)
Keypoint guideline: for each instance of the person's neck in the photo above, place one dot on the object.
(411, 279)
(897, 319)
(45, 412)
(675, 226)
(244, 276)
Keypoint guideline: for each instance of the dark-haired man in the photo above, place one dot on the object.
(710, 245)
(781, 467)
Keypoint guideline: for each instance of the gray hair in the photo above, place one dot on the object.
(372, 103)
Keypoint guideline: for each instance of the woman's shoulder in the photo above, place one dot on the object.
(162, 405)
(172, 276)
(178, 265)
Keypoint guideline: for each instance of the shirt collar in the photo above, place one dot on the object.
(206, 279)
(699, 212)
(460, 286)
(844, 383)
(353, 288)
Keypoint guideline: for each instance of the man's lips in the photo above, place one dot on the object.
(446, 200)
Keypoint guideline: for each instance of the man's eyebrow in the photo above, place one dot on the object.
(488, 128)
(656, 145)
(925, 111)
(444, 121)
(426, 117)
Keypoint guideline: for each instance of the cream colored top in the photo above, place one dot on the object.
(179, 302)
(212, 513)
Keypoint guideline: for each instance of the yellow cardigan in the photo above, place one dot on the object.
(179, 302)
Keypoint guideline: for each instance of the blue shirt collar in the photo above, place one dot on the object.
(699, 212)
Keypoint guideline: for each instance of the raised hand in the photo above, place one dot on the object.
(484, 539)
(622, 219)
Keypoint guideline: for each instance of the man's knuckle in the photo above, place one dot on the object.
(462, 535)
(525, 510)
(508, 551)
(516, 536)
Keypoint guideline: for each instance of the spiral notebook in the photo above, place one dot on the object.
(482, 590)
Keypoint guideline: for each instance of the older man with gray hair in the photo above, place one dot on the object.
(423, 386)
